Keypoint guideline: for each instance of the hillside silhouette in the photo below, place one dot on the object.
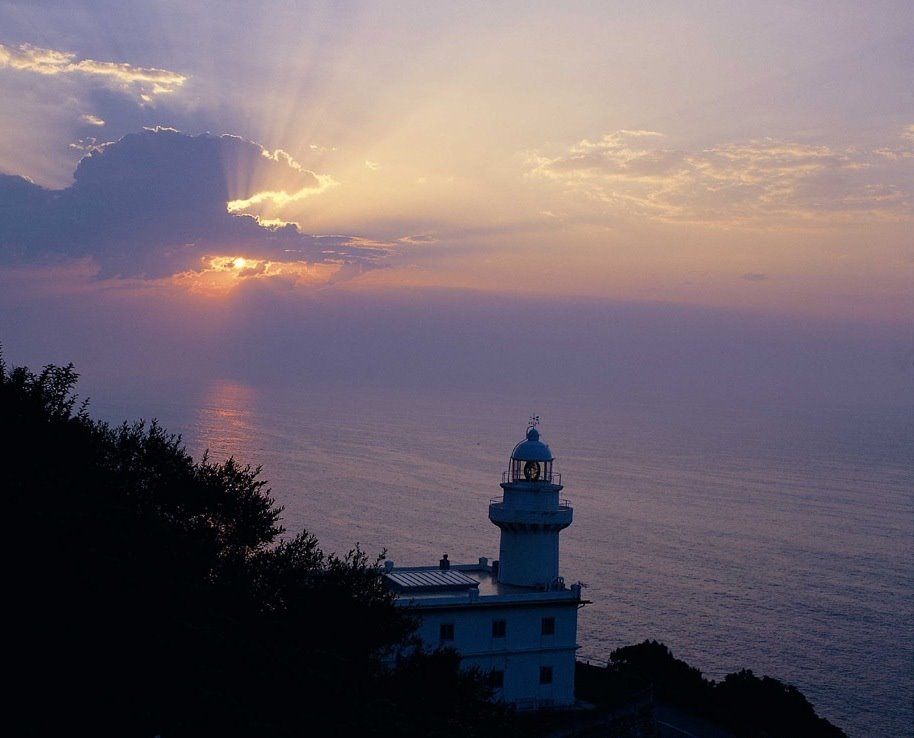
(156, 595)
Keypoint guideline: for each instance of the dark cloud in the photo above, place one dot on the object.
(153, 203)
(754, 277)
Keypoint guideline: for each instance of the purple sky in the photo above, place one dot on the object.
(712, 198)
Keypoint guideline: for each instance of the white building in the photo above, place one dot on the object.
(514, 618)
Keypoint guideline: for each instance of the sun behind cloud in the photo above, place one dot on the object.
(220, 276)
(158, 203)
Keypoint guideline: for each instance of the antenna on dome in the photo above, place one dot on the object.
(534, 421)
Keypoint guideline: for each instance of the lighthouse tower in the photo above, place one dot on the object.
(513, 618)
(530, 516)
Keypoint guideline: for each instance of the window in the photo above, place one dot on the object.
(548, 626)
(545, 675)
(497, 678)
(446, 632)
(499, 628)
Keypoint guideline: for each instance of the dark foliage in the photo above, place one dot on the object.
(749, 706)
(673, 680)
(768, 707)
(610, 688)
(152, 595)
(436, 694)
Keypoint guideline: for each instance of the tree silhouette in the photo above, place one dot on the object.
(749, 706)
(155, 595)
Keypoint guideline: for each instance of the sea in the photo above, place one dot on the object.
(776, 538)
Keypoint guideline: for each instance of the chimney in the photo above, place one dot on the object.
(444, 563)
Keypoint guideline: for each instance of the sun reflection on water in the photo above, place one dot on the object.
(226, 420)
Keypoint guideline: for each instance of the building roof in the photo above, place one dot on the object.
(429, 580)
(532, 448)
(463, 585)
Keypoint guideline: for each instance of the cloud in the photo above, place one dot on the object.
(154, 204)
(145, 82)
(87, 144)
(754, 277)
(419, 239)
(749, 183)
(904, 151)
(281, 197)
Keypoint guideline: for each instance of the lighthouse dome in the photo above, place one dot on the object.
(532, 448)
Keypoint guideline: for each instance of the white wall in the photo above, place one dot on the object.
(520, 654)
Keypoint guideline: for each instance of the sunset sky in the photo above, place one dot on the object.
(180, 176)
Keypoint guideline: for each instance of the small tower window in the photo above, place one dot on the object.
(446, 632)
(545, 675)
(499, 628)
(548, 628)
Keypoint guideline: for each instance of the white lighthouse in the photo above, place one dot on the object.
(530, 516)
(514, 617)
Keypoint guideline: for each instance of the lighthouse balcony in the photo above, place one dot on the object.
(555, 518)
(515, 475)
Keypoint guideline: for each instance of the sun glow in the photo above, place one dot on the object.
(220, 275)
(280, 198)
